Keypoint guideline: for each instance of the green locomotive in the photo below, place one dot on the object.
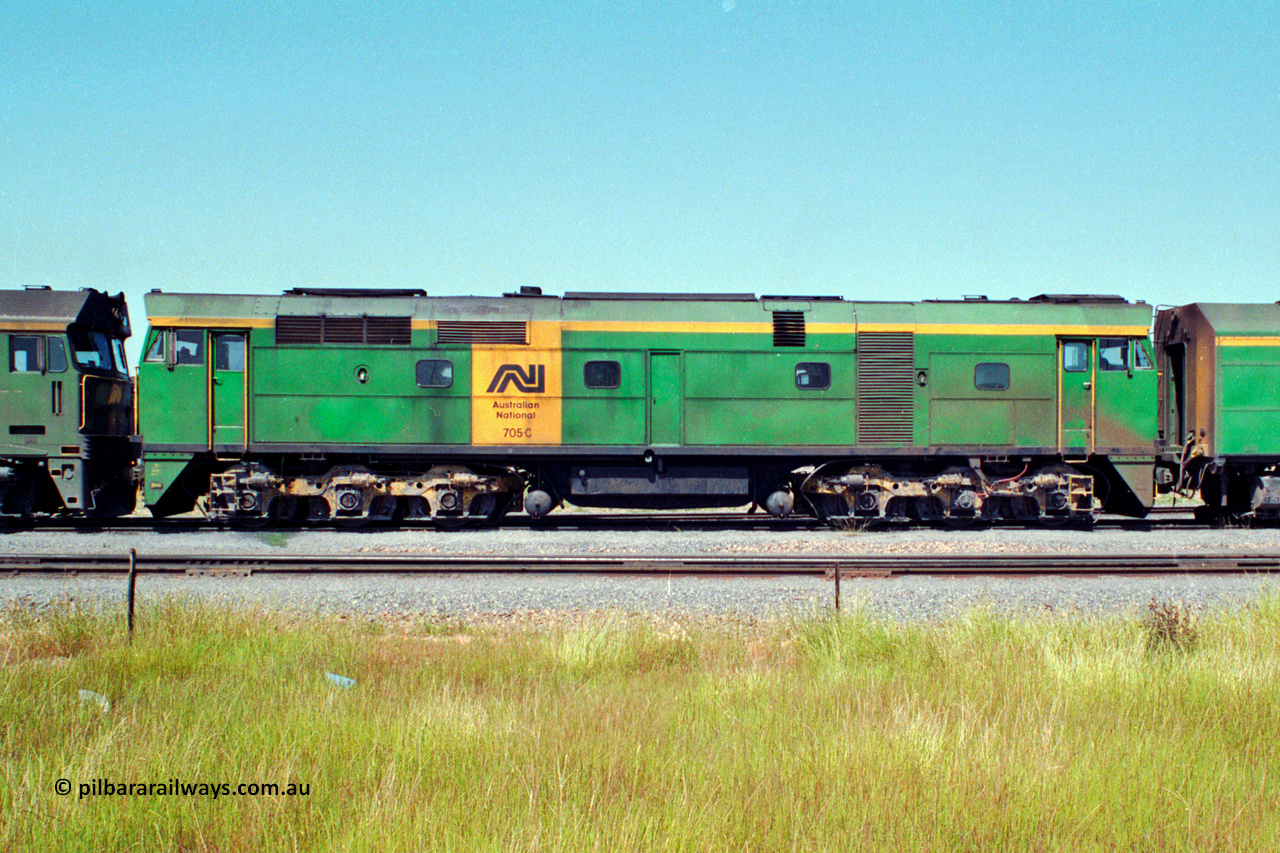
(1221, 405)
(68, 445)
(358, 405)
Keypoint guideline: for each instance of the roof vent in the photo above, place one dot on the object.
(387, 331)
(788, 328)
(483, 332)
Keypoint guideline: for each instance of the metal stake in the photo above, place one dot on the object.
(133, 582)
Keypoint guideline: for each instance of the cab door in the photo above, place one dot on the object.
(1077, 375)
(1126, 387)
(227, 402)
(173, 380)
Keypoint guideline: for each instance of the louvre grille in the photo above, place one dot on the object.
(394, 331)
(483, 332)
(344, 330)
(299, 330)
(788, 328)
(886, 387)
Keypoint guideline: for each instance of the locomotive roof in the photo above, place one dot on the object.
(1235, 318)
(49, 310)
(201, 310)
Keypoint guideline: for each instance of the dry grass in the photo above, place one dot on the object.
(628, 732)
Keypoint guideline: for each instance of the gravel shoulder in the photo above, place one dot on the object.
(553, 598)
(523, 541)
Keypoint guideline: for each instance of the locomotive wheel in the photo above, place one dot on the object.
(929, 510)
(831, 508)
(989, 511)
(281, 509)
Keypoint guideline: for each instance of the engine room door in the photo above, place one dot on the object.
(227, 389)
(1077, 377)
(665, 398)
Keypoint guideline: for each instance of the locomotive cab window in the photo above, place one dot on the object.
(813, 376)
(57, 356)
(435, 373)
(92, 351)
(24, 354)
(229, 353)
(1113, 353)
(602, 374)
(991, 376)
(189, 346)
(1075, 357)
(156, 351)
(1141, 360)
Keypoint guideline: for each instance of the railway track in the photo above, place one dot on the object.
(740, 520)
(847, 566)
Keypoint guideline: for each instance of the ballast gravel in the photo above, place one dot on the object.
(552, 598)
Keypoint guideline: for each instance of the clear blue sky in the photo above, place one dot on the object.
(869, 150)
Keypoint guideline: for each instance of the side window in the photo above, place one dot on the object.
(435, 373)
(813, 376)
(1075, 357)
(602, 374)
(118, 357)
(90, 349)
(156, 351)
(228, 353)
(189, 346)
(1141, 360)
(991, 376)
(24, 353)
(57, 356)
(1113, 353)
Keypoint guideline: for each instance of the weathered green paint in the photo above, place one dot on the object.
(65, 421)
(962, 414)
(1230, 380)
(700, 387)
(751, 398)
(228, 403)
(173, 404)
(28, 397)
(1248, 400)
(1125, 409)
(314, 395)
(1077, 398)
(666, 399)
(603, 415)
(159, 471)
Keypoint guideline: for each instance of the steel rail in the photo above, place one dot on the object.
(847, 565)
(1159, 517)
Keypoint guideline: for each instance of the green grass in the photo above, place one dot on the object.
(626, 732)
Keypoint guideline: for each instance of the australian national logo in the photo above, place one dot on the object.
(533, 381)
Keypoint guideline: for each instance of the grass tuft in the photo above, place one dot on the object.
(1171, 626)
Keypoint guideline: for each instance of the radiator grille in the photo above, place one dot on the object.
(391, 331)
(483, 332)
(299, 330)
(788, 328)
(886, 387)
